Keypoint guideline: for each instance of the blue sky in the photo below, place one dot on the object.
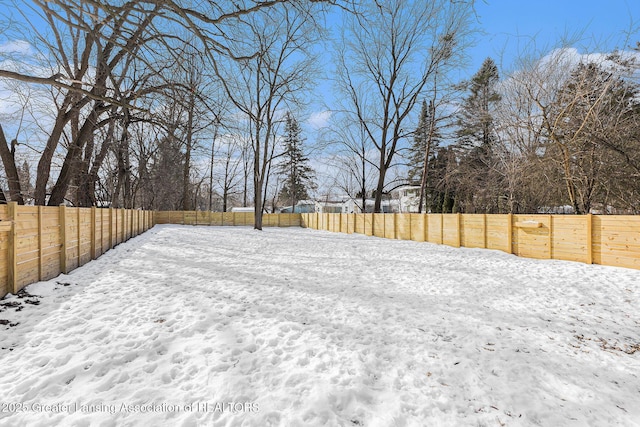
(512, 27)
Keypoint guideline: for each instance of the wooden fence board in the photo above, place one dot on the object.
(304, 220)
(569, 238)
(434, 228)
(378, 224)
(27, 272)
(473, 231)
(451, 230)
(344, 223)
(270, 220)
(351, 218)
(44, 241)
(532, 242)
(84, 233)
(228, 218)
(417, 227)
(389, 221)
(403, 226)
(499, 232)
(358, 225)
(4, 254)
(368, 224)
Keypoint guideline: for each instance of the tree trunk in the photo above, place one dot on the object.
(9, 162)
(377, 206)
(257, 194)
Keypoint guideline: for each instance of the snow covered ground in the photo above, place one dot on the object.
(187, 326)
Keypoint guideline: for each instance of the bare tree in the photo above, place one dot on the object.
(231, 159)
(581, 114)
(92, 49)
(268, 82)
(354, 160)
(389, 55)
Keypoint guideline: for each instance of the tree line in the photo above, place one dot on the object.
(156, 105)
(561, 136)
(115, 99)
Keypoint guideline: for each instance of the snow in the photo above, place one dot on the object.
(228, 326)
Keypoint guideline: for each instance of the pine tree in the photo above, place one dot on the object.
(475, 120)
(295, 167)
(479, 186)
(426, 140)
(26, 186)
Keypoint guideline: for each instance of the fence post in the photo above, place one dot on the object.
(550, 236)
(395, 225)
(101, 231)
(93, 232)
(79, 236)
(510, 233)
(40, 244)
(12, 267)
(110, 228)
(460, 231)
(589, 238)
(62, 212)
(484, 230)
(425, 226)
(115, 225)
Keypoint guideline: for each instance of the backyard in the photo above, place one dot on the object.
(229, 326)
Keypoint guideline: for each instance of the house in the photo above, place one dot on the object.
(303, 206)
(343, 204)
(408, 198)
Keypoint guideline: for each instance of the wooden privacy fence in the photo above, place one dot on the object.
(606, 240)
(40, 242)
(227, 218)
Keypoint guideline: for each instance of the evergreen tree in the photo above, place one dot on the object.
(426, 139)
(442, 176)
(419, 146)
(475, 120)
(295, 167)
(479, 185)
(26, 186)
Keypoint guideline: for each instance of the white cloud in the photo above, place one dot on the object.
(16, 46)
(320, 119)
